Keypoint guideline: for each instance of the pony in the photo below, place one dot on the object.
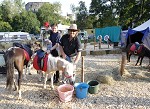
(27, 62)
(15, 57)
(54, 64)
(143, 51)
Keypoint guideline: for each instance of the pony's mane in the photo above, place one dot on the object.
(65, 61)
(9, 49)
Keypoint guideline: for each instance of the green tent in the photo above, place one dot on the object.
(113, 32)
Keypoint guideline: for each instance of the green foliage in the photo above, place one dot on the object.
(83, 19)
(6, 14)
(26, 21)
(49, 13)
(5, 26)
(125, 13)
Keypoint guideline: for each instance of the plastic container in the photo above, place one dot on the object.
(65, 92)
(81, 90)
(93, 87)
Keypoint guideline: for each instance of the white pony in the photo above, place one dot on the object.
(57, 63)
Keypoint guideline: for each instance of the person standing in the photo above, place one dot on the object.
(70, 45)
(54, 40)
(45, 32)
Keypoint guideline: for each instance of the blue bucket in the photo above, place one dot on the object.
(81, 90)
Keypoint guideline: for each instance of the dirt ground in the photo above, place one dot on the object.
(131, 91)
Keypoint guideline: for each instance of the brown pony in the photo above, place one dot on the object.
(15, 57)
(143, 51)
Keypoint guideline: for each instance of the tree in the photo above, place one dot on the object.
(26, 21)
(81, 15)
(6, 14)
(104, 11)
(5, 26)
(133, 13)
(49, 13)
(18, 6)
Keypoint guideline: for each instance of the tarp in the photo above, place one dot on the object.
(113, 32)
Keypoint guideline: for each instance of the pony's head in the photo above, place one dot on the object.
(69, 73)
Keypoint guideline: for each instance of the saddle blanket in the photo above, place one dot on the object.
(36, 63)
(26, 55)
(133, 48)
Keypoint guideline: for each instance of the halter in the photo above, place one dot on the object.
(66, 75)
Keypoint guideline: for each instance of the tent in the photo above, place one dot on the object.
(139, 34)
(62, 27)
(113, 33)
(143, 26)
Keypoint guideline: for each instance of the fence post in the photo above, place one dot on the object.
(122, 67)
(82, 70)
(100, 42)
(108, 43)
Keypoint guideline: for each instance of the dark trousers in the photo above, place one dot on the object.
(56, 75)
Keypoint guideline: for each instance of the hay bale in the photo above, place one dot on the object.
(100, 52)
(126, 74)
(106, 79)
(116, 73)
(138, 76)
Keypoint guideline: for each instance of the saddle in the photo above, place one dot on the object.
(136, 48)
(40, 60)
(27, 50)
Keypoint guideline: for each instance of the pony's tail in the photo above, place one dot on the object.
(10, 68)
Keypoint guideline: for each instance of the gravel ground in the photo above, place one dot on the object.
(129, 92)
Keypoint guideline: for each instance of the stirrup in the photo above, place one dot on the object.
(135, 52)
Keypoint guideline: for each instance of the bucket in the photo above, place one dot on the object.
(93, 87)
(81, 90)
(65, 92)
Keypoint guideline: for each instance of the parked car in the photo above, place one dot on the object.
(14, 36)
(37, 36)
(91, 36)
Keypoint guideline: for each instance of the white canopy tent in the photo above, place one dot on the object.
(143, 26)
(63, 28)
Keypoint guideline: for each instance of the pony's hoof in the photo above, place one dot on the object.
(29, 74)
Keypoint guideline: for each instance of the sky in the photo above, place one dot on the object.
(65, 4)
